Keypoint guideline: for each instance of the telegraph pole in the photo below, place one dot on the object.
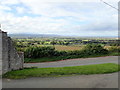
(0, 27)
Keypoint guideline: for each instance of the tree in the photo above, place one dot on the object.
(95, 49)
(53, 43)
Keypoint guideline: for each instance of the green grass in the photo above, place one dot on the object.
(57, 58)
(44, 59)
(59, 71)
(115, 54)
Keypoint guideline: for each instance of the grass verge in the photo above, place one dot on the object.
(59, 71)
(57, 58)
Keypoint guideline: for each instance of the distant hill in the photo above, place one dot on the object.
(56, 36)
(32, 35)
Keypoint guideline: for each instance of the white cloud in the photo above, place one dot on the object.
(3, 7)
(59, 18)
(20, 10)
(8, 2)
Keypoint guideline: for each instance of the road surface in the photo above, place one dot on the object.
(78, 81)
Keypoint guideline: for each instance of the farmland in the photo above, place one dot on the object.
(64, 47)
(64, 43)
(42, 49)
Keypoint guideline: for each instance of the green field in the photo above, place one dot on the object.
(75, 47)
(65, 48)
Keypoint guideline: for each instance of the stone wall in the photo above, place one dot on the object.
(0, 53)
(11, 59)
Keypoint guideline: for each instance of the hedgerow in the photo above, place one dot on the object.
(38, 52)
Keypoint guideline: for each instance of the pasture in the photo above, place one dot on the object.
(64, 47)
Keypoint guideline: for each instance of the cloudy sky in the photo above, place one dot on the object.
(59, 17)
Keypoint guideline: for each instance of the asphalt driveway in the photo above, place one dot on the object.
(78, 81)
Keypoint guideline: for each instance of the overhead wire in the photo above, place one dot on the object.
(110, 5)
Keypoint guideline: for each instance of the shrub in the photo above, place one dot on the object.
(60, 53)
(76, 52)
(92, 49)
(114, 49)
(38, 52)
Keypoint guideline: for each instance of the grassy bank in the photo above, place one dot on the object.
(58, 71)
(57, 58)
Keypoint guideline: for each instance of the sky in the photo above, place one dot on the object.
(61, 17)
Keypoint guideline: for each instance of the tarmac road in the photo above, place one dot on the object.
(76, 81)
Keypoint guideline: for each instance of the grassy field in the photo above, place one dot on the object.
(65, 48)
(74, 47)
(59, 71)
